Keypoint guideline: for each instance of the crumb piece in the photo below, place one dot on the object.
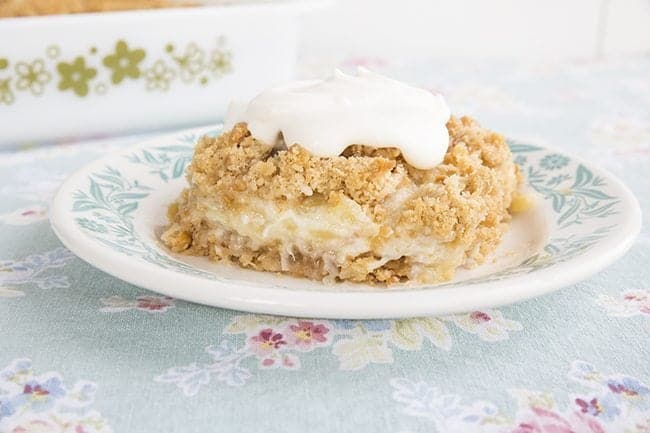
(20, 8)
(522, 203)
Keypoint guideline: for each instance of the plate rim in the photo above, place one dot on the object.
(338, 304)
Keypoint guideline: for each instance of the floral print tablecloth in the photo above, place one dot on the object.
(83, 352)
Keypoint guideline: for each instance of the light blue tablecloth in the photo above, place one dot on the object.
(83, 352)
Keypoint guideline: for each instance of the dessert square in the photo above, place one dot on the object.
(366, 215)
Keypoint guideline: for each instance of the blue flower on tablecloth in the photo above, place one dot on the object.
(20, 367)
(628, 387)
(30, 403)
(40, 395)
(6, 408)
(370, 325)
(537, 412)
(226, 367)
(554, 161)
(448, 412)
(584, 372)
(33, 270)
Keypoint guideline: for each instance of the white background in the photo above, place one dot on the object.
(522, 29)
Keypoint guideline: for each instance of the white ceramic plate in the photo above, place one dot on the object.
(111, 212)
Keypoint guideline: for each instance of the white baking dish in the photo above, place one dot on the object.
(69, 76)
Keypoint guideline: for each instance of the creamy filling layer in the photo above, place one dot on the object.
(331, 232)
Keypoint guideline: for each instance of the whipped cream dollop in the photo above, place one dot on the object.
(326, 116)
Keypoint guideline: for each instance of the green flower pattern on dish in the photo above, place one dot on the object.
(112, 199)
(124, 62)
(159, 76)
(96, 72)
(75, 76)
(6, 95)
(32, 76)
(554, 161)
(91, 225)
(168, 162)
(220, 62)
(53, 51)
(575, 194)
(191, 63)
(575, 197)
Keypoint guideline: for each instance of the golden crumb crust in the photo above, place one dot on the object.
(461, 205)
(20, 8)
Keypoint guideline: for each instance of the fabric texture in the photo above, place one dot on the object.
(81, 351)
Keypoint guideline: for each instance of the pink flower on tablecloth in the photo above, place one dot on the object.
(591, 407)
(24, 216)
(44, 426)
(154, 303)
(480, 317)
(489, 325)
(266, 342)
(149, 303)
(268, 346)
(36, 426)
(540, 420)
(306, 335)
(642, 299)
(628, 304)
(604, 407)
(287, 361)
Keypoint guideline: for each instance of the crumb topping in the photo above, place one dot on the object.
(462, 203)
(19, 8)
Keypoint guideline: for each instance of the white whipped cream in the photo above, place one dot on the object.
(326, 116)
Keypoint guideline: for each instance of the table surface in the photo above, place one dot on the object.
(83, 352)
